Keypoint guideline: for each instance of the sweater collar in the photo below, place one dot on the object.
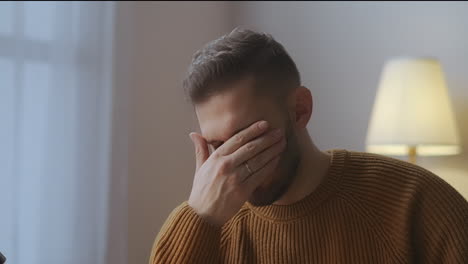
(328, 186)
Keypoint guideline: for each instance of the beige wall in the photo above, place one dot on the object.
(161, 37)
(339, 48)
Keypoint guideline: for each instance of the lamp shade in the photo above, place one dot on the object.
(412, 109)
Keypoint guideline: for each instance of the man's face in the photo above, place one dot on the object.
(235, 109)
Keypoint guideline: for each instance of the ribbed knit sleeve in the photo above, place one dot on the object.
(186, 238)
(419, 216)
(440, 223)
(367, 209)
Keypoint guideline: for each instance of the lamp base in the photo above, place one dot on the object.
(412, 154)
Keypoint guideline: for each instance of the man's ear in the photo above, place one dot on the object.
(302, 103)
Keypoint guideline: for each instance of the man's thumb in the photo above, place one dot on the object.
(201, 148)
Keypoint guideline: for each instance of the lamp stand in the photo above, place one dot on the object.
(412, 154)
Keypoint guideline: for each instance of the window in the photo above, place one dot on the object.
(55, 114)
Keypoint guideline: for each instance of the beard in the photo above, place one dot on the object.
(285, 173)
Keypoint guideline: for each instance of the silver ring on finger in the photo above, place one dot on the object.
(248, 168)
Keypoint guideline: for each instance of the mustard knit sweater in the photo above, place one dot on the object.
(368, 209)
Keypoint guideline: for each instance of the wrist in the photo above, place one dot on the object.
(206, 217)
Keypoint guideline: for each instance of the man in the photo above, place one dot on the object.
(264, 193)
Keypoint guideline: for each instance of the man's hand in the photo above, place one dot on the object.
(222, 182)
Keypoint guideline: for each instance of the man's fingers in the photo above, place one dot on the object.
(244, 136)
(254, 180)
(265, 147)
(260, 160)
(201, 148)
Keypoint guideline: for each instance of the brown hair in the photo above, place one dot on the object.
(239, 54)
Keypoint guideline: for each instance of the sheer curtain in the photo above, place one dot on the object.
(55, 120)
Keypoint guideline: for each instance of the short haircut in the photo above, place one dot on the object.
(240, 54)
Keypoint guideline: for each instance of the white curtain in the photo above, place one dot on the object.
(55, 120)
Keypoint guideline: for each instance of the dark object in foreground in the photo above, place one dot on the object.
(2, 258)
